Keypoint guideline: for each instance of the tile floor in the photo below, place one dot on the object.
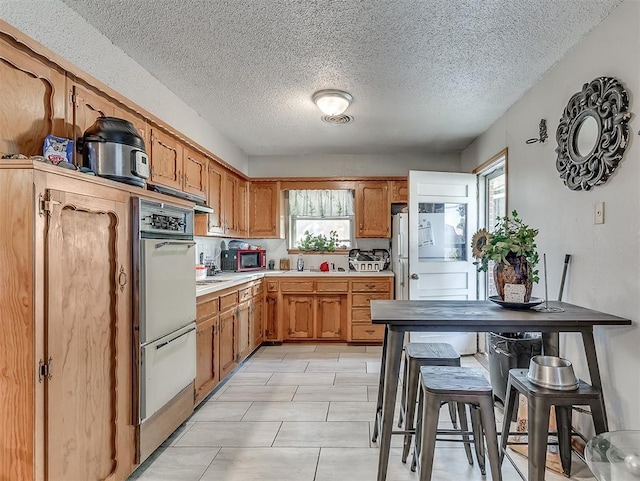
(300, 412)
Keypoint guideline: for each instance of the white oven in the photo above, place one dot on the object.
(164, 319)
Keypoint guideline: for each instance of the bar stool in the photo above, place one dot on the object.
(465, 386)
(418, 354)
(539, 401)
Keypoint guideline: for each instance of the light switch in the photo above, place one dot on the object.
(598, 213)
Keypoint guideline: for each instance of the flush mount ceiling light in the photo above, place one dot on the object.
(332, 102)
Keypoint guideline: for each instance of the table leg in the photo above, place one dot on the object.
(380, 386)
(393, 351)
(594, 370)
(551, 343)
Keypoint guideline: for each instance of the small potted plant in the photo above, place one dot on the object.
(319, 243)
(512, 248)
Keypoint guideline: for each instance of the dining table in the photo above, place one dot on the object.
(401, 316)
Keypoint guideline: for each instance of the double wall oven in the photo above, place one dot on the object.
(164, 320)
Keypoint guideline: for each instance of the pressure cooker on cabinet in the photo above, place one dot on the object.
(112, 148)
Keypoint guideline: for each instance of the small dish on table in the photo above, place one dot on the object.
(534, 301)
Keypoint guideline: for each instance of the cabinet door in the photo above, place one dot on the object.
(166, 160)
(194, 167)
(215, 198)
(264, 202)
(206, 363)
(242, 210)
(230, 193)
(257, 322)
(373, 209)
(271, 331)
(244, 330)
(88, 339)
(331, 317)
(298, 317)
(399, 191)
(227, 342)
(87, 107)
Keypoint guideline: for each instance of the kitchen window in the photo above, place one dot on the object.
(321, 212)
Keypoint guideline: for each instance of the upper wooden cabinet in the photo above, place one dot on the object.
(87, 107)
(399, 191)
(264, 210)
(194, 167)
(373, 209)
(241, 213)
(166, 160)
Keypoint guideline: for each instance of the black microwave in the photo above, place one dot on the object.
(237, 260)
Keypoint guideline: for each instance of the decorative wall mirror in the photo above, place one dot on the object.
(593, 134)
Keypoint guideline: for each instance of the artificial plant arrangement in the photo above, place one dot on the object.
(318, 242)
(512, 243)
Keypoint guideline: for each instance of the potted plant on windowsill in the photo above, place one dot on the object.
(512, 248)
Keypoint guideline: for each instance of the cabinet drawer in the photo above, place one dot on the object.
(272, 286)
(361, 315)
(370, 286)
(257, 289)
(207, 309)
(296, 286)
(332, 286)
(229, 300)
(362, 300)
(365, 331)
(244, 294)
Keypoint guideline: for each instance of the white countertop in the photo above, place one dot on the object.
(232, 279)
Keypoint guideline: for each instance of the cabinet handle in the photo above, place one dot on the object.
(122, 279)
(370, 286)
(369, 331)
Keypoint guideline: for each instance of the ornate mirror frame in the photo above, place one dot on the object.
(606, 101)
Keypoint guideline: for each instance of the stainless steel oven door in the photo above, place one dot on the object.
(167, 366)
(167, 287)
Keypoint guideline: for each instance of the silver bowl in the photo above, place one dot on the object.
(552, 372)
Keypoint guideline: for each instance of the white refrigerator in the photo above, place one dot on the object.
(465, 343)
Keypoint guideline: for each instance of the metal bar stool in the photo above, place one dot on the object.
(465, 386)
(418, 354)
(540, 401)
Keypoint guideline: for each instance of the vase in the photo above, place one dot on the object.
(515, 272)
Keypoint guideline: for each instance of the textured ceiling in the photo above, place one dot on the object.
(426, 75)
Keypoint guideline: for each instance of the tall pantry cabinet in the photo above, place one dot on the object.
(65, 335)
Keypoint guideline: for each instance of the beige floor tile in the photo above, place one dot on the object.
(268, 356)
(230, 434)
(351, 411)
(339, 348)
(360, 464)
(321, 434)
(374, 366)
(369, 379)
(287, 411)
(282, 366)
(177, 434)
(249, 378)
(364, 356)
(374, 349)
(170, 464)
(302, 379)
(220, 411)
(312, 356)
(330, 393)
(263, 464)
(258, 393)
(337, 366)
(289, 348)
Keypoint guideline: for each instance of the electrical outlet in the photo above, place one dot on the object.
(598, 213)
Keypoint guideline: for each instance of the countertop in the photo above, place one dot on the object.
(232, 279)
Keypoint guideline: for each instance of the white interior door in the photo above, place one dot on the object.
(443, 215)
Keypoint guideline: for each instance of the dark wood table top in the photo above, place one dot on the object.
(483, 316)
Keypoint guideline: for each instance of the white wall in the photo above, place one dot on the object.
(350, 165)
(62, 30)
(605, 267)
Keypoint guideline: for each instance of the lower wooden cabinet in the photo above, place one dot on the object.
(257, 321)
(228, 350)
(272, 332)
(243, 314)
(298, 314)
(331, 316)
(207, 346)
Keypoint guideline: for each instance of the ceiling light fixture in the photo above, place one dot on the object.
(331, 101)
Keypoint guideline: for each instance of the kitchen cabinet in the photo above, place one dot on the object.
(212, 224)
(256, 317)
(244, 330)
(363, 291)
(331, 316)
(298, 316)
(194, 167)
(67, 344)
(264, 210)
(207, 346)
(272, 316)
(242, 208)
(399, 191)
(228, 329)
(166, 160)
(228, 196)
(373, 209)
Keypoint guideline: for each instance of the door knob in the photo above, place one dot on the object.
(415, 276)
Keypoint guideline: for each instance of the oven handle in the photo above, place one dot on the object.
(163, 344)
(167, 243)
